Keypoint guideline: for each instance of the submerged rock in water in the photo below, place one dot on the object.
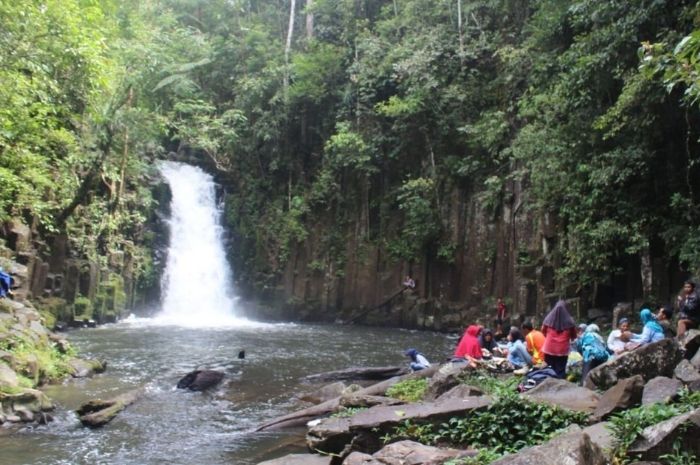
(200, 380)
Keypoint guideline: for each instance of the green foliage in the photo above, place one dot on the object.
(491, 384)
(421, 224)
(628, 425)
(409, 390)
(508, 425)
(483, 457)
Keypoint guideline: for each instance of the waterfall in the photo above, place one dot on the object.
(197, 281)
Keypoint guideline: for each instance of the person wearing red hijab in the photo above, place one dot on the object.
(469, 344)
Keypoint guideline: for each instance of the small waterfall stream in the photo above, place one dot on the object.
(197, 285)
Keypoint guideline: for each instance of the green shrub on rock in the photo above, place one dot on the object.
(410, 390)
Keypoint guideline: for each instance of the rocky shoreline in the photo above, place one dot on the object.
(364, 426)
(31, 356)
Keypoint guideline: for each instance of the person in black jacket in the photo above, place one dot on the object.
(688, 308)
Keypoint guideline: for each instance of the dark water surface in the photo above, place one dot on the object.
(169, 426)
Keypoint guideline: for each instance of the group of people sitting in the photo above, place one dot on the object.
(559, 336)
(526, 347)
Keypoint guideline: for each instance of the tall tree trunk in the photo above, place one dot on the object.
(646, 270)
(309, 20)
(288, 45)
(459, 28)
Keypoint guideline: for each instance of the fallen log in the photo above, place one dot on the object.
(301, 417)
(99, 412)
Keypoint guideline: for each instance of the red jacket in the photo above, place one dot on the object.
(557, 342)
(469, 345)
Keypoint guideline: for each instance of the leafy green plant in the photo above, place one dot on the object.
(410, 390)
(491, 384)
(408, 429)
(628, 425)
(508, 425)
(483, 457)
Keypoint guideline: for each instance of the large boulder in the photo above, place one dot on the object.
(659, 439)
(564, 394)
(651, 360)
(461, 391)
(574, 447)
(200, 380)
(690, 343)
(407, 453)
(686, 373)
(25, 406)
(364, 428)
(625, 394)
(600, 434)
(661, 389)
(446, 378)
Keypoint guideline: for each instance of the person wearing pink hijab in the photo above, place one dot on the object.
(559, 329)
(469, 344)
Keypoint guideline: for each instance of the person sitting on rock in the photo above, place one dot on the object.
(468, 347)
(591, 346)
(652, 331)
(6, 281)
(487, 342)
(518, 355)
(664, 313)
(418, 360)
(688, 308)
(619, 337)
(534, 341)
(409, 283)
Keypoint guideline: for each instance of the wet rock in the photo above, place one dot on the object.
(571, 447)
(407, 453)
(24, 406)
(658, 439)
(99, 412)
(299, 459)
(625, 394)
(358, 374)
(564, 394)
(364, 428)
(661, 389)
(686, 372)
(200, 380)
(328, 392)
(649, 361)
(83, 368)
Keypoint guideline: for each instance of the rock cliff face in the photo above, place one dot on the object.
(507, 251)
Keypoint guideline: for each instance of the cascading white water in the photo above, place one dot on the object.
(197, 281)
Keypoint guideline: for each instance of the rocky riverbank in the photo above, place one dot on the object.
(644, 405)
(31, 356)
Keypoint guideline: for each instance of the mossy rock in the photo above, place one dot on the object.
(82, 309)
(110, 301)
(55, 306)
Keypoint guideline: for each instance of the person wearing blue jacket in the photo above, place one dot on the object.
(652, 331)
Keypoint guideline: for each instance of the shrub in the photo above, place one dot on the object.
(410, 390)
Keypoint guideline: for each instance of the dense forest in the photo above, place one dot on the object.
(477, 145)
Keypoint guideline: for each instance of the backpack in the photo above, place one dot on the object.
(536, 377)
